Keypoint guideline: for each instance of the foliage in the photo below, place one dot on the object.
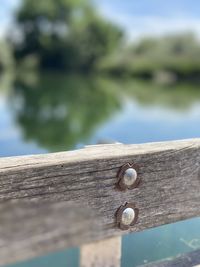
(70, 35)
(92, 39)
(173, 54)
(6, 57)
(64, 34)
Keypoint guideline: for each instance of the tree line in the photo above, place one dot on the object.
(71, 36)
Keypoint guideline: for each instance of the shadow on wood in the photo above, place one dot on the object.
(168, 192)
(29, 230)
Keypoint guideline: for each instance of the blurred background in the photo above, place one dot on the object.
(80, 72)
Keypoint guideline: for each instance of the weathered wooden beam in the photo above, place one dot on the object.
(30, 230)
(191, 259)
(102, 253)
(168, 192)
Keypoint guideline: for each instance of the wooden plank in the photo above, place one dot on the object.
(102, 253)
(30, 230)
(168, 192)
(191, 259)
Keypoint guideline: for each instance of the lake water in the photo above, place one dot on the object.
(47, 113)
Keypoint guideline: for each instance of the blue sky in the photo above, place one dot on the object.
(170, 8)
(153, 17)
(137, 17)
(6, 9)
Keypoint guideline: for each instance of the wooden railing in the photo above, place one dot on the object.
(60, 200)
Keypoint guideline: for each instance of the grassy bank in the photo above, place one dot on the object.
(169, 58)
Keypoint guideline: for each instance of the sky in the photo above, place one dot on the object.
(153, 17)
(6, 11)
(137, 17)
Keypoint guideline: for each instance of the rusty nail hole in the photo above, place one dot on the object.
(128, 176)
(126, 216)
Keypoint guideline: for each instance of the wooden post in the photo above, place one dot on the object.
(86, 181)
(102, 253)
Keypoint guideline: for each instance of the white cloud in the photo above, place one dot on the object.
(2, 30)
(7, 7)
(141, 26)
(137, 26)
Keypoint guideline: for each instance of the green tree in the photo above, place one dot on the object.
(169, 58)
(6, 57)
(92, 39)
(64, 34)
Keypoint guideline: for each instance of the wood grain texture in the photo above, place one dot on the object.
(102, 253)
(168, 192)
(191, 259)
(30, 230)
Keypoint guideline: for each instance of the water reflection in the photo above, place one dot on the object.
(177, 97)
(40, 113)
(6, 82)
(61, 112)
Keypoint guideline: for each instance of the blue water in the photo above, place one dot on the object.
(67, 113)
